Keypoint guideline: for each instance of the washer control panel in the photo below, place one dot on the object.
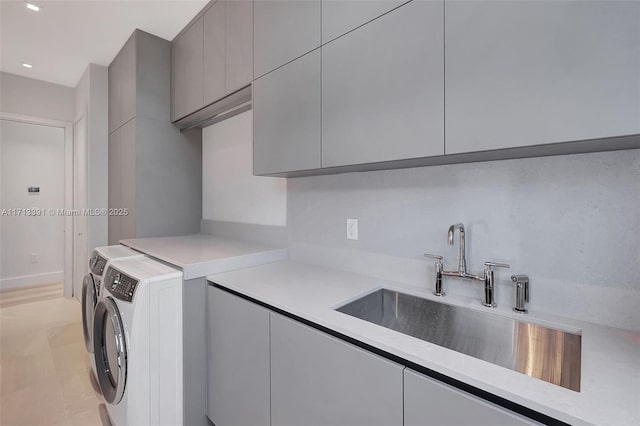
(97, 264)
(121, 286)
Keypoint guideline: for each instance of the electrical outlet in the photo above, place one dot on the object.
(352, 229)
(34, 257)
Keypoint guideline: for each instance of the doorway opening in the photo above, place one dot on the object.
(36, 194)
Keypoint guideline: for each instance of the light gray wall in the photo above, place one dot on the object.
(230, 191)
(36, 98)
(32, 155)
(570, 222)
(92, 99)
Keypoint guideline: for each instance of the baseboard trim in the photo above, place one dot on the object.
(35, 280)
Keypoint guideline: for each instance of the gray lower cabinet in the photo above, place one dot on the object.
(114, 196)
(429, 402)
(155, 170)
(286, 117)
(122, 181)
(382, 89)
(127, 179)
(521, 73)
(319, 380)
(214, 62)
(238, 361)
(282, 31)
(239, 44)
(340, 17)
(187, 71)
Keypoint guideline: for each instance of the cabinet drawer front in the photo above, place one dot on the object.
(286, 117)
(322, 381)
(238, 360)
(282, 31)
(382, 89)
(428, 402)
(526, 72)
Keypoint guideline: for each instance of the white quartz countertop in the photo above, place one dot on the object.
(610, 385)
(202, 254)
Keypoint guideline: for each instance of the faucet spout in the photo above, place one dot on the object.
(462, 261)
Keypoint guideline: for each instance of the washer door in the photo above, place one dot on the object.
(110, 350)
(89, 300)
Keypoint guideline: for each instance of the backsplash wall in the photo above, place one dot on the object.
(572, 223)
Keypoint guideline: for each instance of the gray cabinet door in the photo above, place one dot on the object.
(214, 52)
(282, 31)
(382, 89)
(429, 402)
(319, 380)
(122, 85)
(286, 117)
(342, 16)
(114, 196)
(187, 71)
(239, 45)
(114, 94)
(127, 75)
(127, 178)
(238, 361)
(526, 72)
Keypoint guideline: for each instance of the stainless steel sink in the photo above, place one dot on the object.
(545, 353)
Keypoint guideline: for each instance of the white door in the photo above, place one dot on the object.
(80, 196)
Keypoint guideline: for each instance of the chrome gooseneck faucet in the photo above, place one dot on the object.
(487, 277)
(462, 259)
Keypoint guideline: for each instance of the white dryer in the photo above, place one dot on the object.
(138, 343)
(91, 285)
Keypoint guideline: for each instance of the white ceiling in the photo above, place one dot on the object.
(65, 36)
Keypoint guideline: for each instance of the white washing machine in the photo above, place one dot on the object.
(138, 343)
(91, 288)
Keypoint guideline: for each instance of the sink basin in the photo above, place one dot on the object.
(544, 353)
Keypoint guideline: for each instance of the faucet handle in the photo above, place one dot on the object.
(434, 256)
(490, 265)
(522, 292)
(439, 267)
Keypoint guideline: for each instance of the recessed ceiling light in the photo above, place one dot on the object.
(26, 65)
(33, 7)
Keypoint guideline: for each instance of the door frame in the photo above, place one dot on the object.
(68, 187)
(75, 258)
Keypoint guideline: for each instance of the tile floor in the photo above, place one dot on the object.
(45, 375)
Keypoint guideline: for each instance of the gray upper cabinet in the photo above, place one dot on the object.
(382, 89)
(525, 72)
(238, 361)
(286, 117)
(282, 31)
(187, 71)
(342, 16)
(319, 380)
(214, 53)
(239, 44)
(122, 85)
(114, 94)
(428, 402)
(213, 57)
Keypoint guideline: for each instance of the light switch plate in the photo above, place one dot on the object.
(352, 229)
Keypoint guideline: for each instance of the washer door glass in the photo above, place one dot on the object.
(110, 350)
(89, 300)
